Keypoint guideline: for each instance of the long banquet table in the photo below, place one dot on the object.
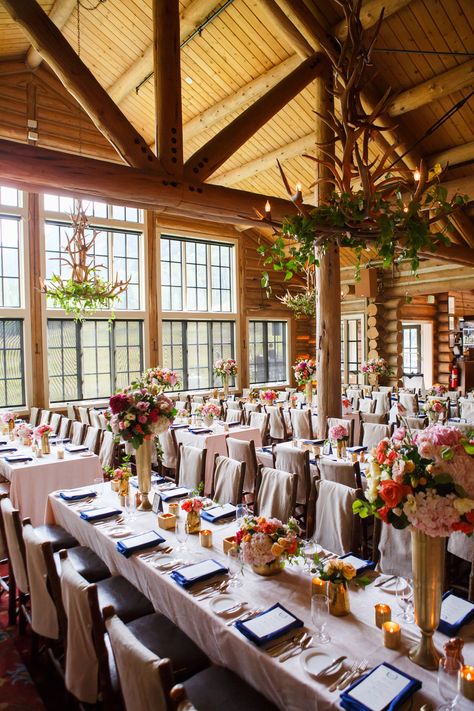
(286, 684)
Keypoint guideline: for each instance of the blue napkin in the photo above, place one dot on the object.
(357, 449)
(466, 614)
(56, 439)
(98, 514)
(317, 442)
(287, 622)
(347, 701)
(140, 542)
(199, 430)
(4, 450)
(77, 494)
(73, 448)
(155, 479)
(196, 573)
(359, 564)
(178, 427)
(178, 492)
(216, 513)
(267, 449)
(18, 458)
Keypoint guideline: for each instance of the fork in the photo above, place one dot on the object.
(245, 616)
(304, 642)
(360, 669)
(221, 589)
(342, 677)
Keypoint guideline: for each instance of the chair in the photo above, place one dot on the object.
(386, 389)
(347, 473)
(191, 466)
(260, 420)
(107, 450)
(301, 424)
(34, 416)
(182, 405)
(354, 395)
(392, 549)
(409, 402)
(84, 415)
(169, 448)
(55, 422)
(336, 528)
(277, 426)
(382, 402)
(233, 415)
(466, 409)
(103, 421)
(92, 439)
(244, 451)
(71, 412)
(228, 478)
(64, 427)
(275, 493)
(77, 432)
(366, 405)
(250, 407)
(94, 418)
(373, 434)
(296, 461)
(45, 417)
(461, 546)
(374, 419)
(233, 404)
(348, 424)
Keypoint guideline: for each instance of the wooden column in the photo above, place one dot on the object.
(151, 292)
(328, 278)
(37, 397)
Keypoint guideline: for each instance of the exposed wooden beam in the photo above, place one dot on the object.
(216, 151)
(312, 26)
(284, 25)
(80, 82)
(453, 156)
(167, 81)
(370, 13)
(60, 14)
(464, 225)
(433, 89)
(190, 19)
(455, 254)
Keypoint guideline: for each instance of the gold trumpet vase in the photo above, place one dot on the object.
(428, 576)
(143, 462)
(339, 604)
(225, 383)
(309, 393)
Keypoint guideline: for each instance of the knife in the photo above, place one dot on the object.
(383, 582)
(283, 645)
(305, 642)
(330, 666)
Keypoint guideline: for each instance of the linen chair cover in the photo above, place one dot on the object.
(199, 399)
(287, 420)
(277, 422)
(170, 452)
(64, 428)
(395, 551)
(233, 404)
(215, 401)
(12, 527)
(461, 545)
(34, 412)
(386, 389)
(416, 382)
(191, 465)
(464, 427)
(375, 419)
(366, 404)
(466, 409)
(195, 406)
(382, 402)
(341, 472)
(373, 434)
(276, 494)
(334, 529)
(55, 422)
(71, 413)
(354, 395)
(107, 449)
(92, 438)
(233, 415)
(301, 424)
(137, 667)
(244, 451)
(295, 461)
(77, 432)
(103, 421)
(82, 667)
(228, 480)
(409, 402)
(44, 618)
(348, 424)
(181, 405)
(250, 407)
(260, 420)
(94, 418)
(84, 415)
(414, 423)
(45, 417)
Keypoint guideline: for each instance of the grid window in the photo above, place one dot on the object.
(11, 197)
(351, 349)
(12, 388)
(10, 261)
(411, 350)
(192, 347)
(196, 275)
(267, 352)
(92, 208)
(92, 359)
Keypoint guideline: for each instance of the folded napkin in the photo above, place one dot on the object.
(356, 449)
(149, 539)
(455, 613)
(216, 513)
(73, 448)
(98, 514)
(266, 449)
(178, 492)
(268, 625)
(3, 441)
(191, 574)
(178, 426)
(385, 688)
(77, 494)
(317, 442)
(63, 440)
(155, 479)
(199, 430)
(359, 564)
(3, 450)
(13, 458)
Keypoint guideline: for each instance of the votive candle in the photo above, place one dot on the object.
(174, 509)
(391, 635)
(318, 586)
(383, 613)
(60, 453)
(466, 682)
(205, 538)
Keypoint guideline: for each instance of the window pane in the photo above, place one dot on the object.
(12, 391)
(267, 352)
(9, 261)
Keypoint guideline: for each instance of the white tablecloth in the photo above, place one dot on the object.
(214, 442)
(287, 685)
(31, 482)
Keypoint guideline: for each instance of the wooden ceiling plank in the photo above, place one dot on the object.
(369, 14)
(60, 14)
(464, 225)
(453, 156)
(81, 83)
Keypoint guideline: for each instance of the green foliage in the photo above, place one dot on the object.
(79, 299)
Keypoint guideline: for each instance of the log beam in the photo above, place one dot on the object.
(453, 156)
(167, 80)
(60, 14)
(464, 225)
(215, 152)
(284, 25)
(80, 82)
(370, 13)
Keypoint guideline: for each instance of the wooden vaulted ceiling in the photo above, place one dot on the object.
(425, 53)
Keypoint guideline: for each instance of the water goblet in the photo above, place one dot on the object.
(448, 674)
(98, 488)
(182, 539)
(319, 615)
(235, 563)
(404, 594)
(311, 548)
(241, 510)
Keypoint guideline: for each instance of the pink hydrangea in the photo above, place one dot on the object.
(432, 514)
(338, 432)
(258, 550)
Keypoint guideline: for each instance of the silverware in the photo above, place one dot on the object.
(294, 653)
(213, 593)
(283, 645)
(386, 580)
(233, 608)
(217, 585)
(350, 678)
(330, 666)
(294, 646)
(343, 676)
(245, 616)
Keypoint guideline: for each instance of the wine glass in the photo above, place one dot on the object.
(234, 562)
(404, 594)
(181, 534)
(311, 548)
(98, 481)
(319, 615)
(241, 510)
(448, 673)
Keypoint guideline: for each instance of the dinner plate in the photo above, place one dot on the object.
(391, 585)
(86, 454)
(164, 562)
(313, 662)
(221, 603)
(119, 532)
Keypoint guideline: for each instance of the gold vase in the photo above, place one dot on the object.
(225, 383)
(374, 380)
(193, 522)
(124, 487)
(309, 392)
(428, 577)
(272, 568)
(339, 604)
(45, 448)
(143, 462)
(341, 449)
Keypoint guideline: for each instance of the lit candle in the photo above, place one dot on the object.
(268, 211)
(60, 453)
(466, 682)
(174, 509)
(391, 635)
(383, 613)
(318, 586)
(205, 538)
(416, 175)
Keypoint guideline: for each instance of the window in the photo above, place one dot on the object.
(192, 347)
(10, 226)
(90, 360)
(267, 352)
(59, 203)
(196, 275)
(411, 349)
(351, 348)
(12, 388)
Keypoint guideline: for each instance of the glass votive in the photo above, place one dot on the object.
(39, 453)
(383, 613)
(318, 586)
(60, 452)
(466, 682)
(205, 538)
(174, 509)
(392, 635)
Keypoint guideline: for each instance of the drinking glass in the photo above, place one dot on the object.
(98, 488)
(241, 510)
(311, 548)
(130, 506)
(404, 593)
(448, 673)
(234, 562)
(319, 615)
(181, 534)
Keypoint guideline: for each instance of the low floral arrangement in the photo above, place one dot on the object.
(338, 433)
(137, 414)
(225, 367)
(334, 570)
(376, 366)
(423, 479)
(268, 396)
(24, 431)
(198, 409)
(435, 406)
(304, 370)
(182, 412)
(254, 394)
(438, 390)
(195, 504)
(211, 410)
(262, 540)
(8, 417)
(43, 430)
(161, 378)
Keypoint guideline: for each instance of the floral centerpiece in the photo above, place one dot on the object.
(265, 542)
(182, 412)
(254, 394)
(438, 390)
(137, 414)
(338, 573)
(120, 476)
(24, 432)
(305, 370)
(162, 378)
(8, 419)
(209, 411)
(193, 507)
(339, 435)
(42, 433)
(346, 406)
(268, 396)
(436, 409)
(226, 368)
(424, 480)
(375, 368)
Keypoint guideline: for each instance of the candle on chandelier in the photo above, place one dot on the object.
(416, 175)
(299, 193)
(268, 211)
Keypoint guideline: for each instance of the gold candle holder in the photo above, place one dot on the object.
(383, 613)
(392, 635)
(205, 538)
(362, 457)
(318, 586)
(166, 520)
(466, 682)
(228, 543)
(173, 509)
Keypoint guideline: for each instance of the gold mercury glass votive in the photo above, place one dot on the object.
(205, 538)
(318, 586)
(466, 682)
(383, 613)
(173, 509)
(391, 635)
(166, 520)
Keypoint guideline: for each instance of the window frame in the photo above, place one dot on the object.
(412, 327)
(345, 318)
(286, 348)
